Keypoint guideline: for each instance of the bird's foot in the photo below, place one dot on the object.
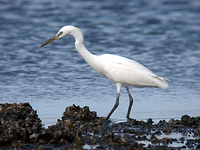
(106, 121)
(128, 118)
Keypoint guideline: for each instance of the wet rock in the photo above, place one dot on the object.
(150, 121)
(196, 132)
(190, 121)
(154, 139)
(79, 142)
(76, 113)
(96, 131)
(173, 122)
(17, 123)
(132, 122)
(45, 147)
(162, 123)
(186, 121)
(20, 128)
(182, 139)
(158, 133)
(167, 141)
(167, 130)
(132, 131)
(190, 143)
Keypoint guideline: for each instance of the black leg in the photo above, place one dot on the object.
(114, 107)
(130, 102)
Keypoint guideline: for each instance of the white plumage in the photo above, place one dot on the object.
(119, 70)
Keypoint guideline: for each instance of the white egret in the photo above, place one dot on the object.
(119, 70)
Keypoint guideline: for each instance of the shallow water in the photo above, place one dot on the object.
(162, 35)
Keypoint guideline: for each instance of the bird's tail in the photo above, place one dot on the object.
(160, 82)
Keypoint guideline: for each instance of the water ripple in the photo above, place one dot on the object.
(163, 35)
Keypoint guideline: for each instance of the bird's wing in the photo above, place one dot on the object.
(128, 72)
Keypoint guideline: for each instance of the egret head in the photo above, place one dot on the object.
(64, 31)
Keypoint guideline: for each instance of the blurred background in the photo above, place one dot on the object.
(162, 35)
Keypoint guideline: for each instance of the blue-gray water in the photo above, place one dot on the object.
(163, 35)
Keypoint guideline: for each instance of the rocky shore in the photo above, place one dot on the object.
(80, 128)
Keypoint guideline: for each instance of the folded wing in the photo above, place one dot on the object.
(128, 72)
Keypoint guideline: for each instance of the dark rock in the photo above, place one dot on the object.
(150, 121)
(132, 122)
(182, 139)
(185, 120)
(154, 139)
(20, 128)
(171, 122)
(167, 130)
(17, 123)
(75, 113)
(132, 131)
(162, 123)
(196, 132)
(165, 141)
(190, 143)
(190, 121)
(158, 132)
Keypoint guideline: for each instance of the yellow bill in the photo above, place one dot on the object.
(50, 40)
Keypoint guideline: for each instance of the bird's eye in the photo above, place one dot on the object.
(60, 33)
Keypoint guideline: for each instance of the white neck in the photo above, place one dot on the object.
(91, 59)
